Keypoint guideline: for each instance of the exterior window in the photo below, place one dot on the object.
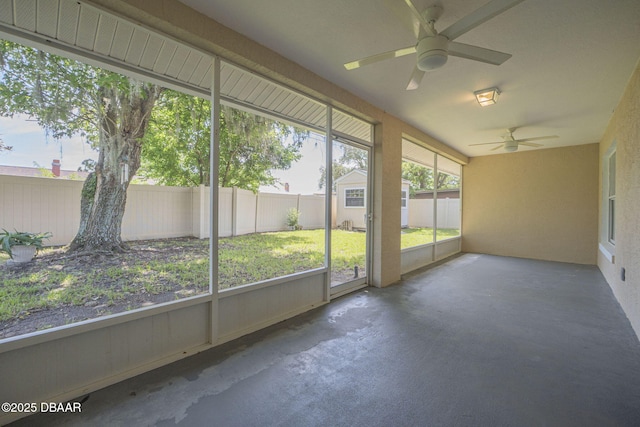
(354, 197)
(611, 196)
(403, 202)
(607, 235)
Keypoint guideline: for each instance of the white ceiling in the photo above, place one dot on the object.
(571, 62)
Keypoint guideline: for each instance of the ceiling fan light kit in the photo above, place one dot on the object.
(486, 97)
(432, 53)
(511, 146)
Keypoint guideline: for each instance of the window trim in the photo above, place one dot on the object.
(611, 198)
(364, 197)
(608, 206)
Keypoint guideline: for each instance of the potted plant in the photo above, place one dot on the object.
(293, 215)
(21, 246)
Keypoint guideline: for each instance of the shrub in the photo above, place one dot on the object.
(293, 215)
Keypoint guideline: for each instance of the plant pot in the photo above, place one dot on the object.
(23, 253)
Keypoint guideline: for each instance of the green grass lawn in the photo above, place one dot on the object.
(156, 267)
(420, 236)
(179, 266)
(256, 257)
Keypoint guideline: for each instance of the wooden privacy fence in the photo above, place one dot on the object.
(152, 212)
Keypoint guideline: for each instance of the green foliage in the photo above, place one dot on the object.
(67, 97)
(446, 181)
(346, 159)
(176, 149)
(421, 178)
(252, 146)
(89, 187)
(59, 93)
(176, 145)
(293, 216)
(44, 172)
(87, 165)
(8, 239)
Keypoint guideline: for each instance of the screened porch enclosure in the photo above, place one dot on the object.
(156, 334)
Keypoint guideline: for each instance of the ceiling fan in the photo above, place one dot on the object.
(433, 47)
(511, 144)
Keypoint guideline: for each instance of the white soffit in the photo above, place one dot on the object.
(420, 155)
(110, 41)
(417, 154)
(243, 88)
(351, 126)
(100, 38)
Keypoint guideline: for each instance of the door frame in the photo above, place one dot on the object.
(361, 282)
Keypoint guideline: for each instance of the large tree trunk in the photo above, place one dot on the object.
(101, 211)
(104, 194)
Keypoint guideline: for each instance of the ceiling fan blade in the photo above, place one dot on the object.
(538, 138)
(406, 19)
(380, 57)
(477, 53)
(487, 143)
(479, 16)
(428, 28)
(416, 78)
(497, 148)
(530, 144)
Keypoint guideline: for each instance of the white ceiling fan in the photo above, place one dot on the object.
(510, 144)
(433, 47)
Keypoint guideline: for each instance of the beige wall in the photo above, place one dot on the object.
(540, 204)
(624, 130)
(387, 173)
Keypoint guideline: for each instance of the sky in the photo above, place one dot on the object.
(303, 176)
(31, 146)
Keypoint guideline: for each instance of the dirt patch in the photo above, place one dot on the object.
(47, 274)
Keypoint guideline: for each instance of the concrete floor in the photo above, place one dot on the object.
(477, 341)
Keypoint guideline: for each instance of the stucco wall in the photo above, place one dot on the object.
(540, 204)
(387, 172)
(624, 130)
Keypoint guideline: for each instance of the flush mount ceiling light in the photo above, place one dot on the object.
(487, 96)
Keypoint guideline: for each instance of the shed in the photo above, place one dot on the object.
(351, 199)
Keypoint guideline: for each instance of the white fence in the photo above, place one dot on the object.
(421, 213)
(156, 212)
(152, 212)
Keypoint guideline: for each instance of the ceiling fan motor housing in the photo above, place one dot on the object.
(511, 146)
(432, 52)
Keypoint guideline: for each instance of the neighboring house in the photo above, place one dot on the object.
(351, 191)
(56, 172)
